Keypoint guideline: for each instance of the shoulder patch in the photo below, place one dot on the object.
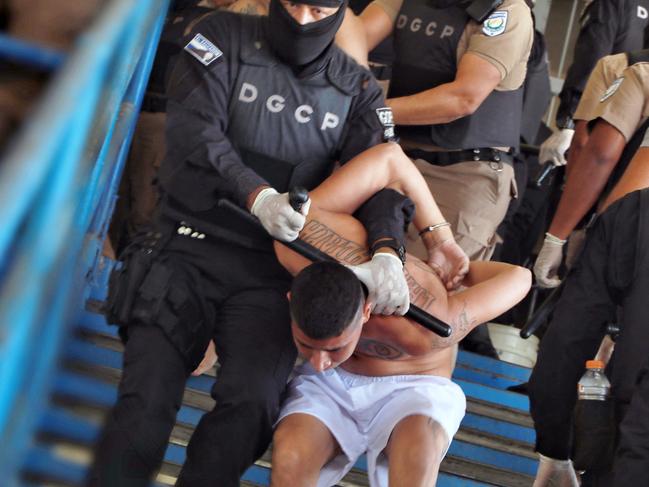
(387, 120)
(496, 23)
(610, 91)
(203, 50)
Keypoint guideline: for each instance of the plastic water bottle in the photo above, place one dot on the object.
(593, 385)
(594, 420)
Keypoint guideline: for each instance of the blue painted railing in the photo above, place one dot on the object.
(57, 185)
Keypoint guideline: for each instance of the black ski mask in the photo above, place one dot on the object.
(299, 45)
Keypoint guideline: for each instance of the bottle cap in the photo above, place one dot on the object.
(594, 364)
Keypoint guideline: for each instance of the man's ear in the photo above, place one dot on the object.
(367, 310)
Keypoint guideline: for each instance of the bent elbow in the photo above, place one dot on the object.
(467, 105)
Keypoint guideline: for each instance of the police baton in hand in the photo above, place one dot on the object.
(541, 315)
(299, 196)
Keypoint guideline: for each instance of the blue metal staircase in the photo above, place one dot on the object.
(59, 361)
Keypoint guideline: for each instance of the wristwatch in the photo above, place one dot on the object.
(391, 243)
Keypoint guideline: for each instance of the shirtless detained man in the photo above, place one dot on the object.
(392, 396)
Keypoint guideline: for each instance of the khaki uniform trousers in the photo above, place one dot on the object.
(473, 196)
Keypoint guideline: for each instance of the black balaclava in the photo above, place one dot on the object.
(299, 45)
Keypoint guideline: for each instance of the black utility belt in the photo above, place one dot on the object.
(492, 156)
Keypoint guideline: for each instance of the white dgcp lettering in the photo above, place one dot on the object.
(276, 103)
(430, 30)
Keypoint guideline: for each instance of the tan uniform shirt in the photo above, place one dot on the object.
(607, 70)
(508, 51)
(625, 104)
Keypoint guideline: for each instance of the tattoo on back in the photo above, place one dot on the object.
(419, 294)
(346, 251)
(325, 239)
(378, 349)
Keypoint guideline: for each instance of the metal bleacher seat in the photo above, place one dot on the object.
(60, 361)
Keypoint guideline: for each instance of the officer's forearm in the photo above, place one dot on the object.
(441, 104)
(579, 141)
(385, 215)
(475, 79)
(587, 179)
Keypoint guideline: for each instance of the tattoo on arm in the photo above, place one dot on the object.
(464, 323)
(374, 348)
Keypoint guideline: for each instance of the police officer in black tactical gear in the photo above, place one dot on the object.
(255, 106)
(607, 284)
(607, 27)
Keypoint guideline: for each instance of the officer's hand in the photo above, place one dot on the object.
(386, 283)
(554, 148)
(277, 216)
(547, 263)
(209, 359)
(449, 262)
(555, 473)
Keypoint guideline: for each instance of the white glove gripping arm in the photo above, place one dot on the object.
(386, 283)
(554, 148)
(277, 216)
(548, 262)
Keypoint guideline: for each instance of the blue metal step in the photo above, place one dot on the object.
(89, 353)
(61, 423)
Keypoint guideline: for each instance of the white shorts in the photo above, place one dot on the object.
(362, 411)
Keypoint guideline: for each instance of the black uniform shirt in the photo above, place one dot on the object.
(607, 27)
(206, 159)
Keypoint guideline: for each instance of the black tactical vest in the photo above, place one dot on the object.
(536, 91)
(633, 36)
(288, 130)
(426, 41)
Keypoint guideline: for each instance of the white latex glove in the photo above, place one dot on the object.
(554, 148)
(555, 473)
(548, 262)
(386, 283)
(277, 216)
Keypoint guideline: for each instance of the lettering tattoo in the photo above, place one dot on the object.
(328, 241)
(419, 295)
(349, 252)
(373, 348)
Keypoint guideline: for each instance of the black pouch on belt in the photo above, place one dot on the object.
(594, 435)
(125, 279)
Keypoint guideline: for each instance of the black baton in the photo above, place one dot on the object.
(541, 315)
(297, 199)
